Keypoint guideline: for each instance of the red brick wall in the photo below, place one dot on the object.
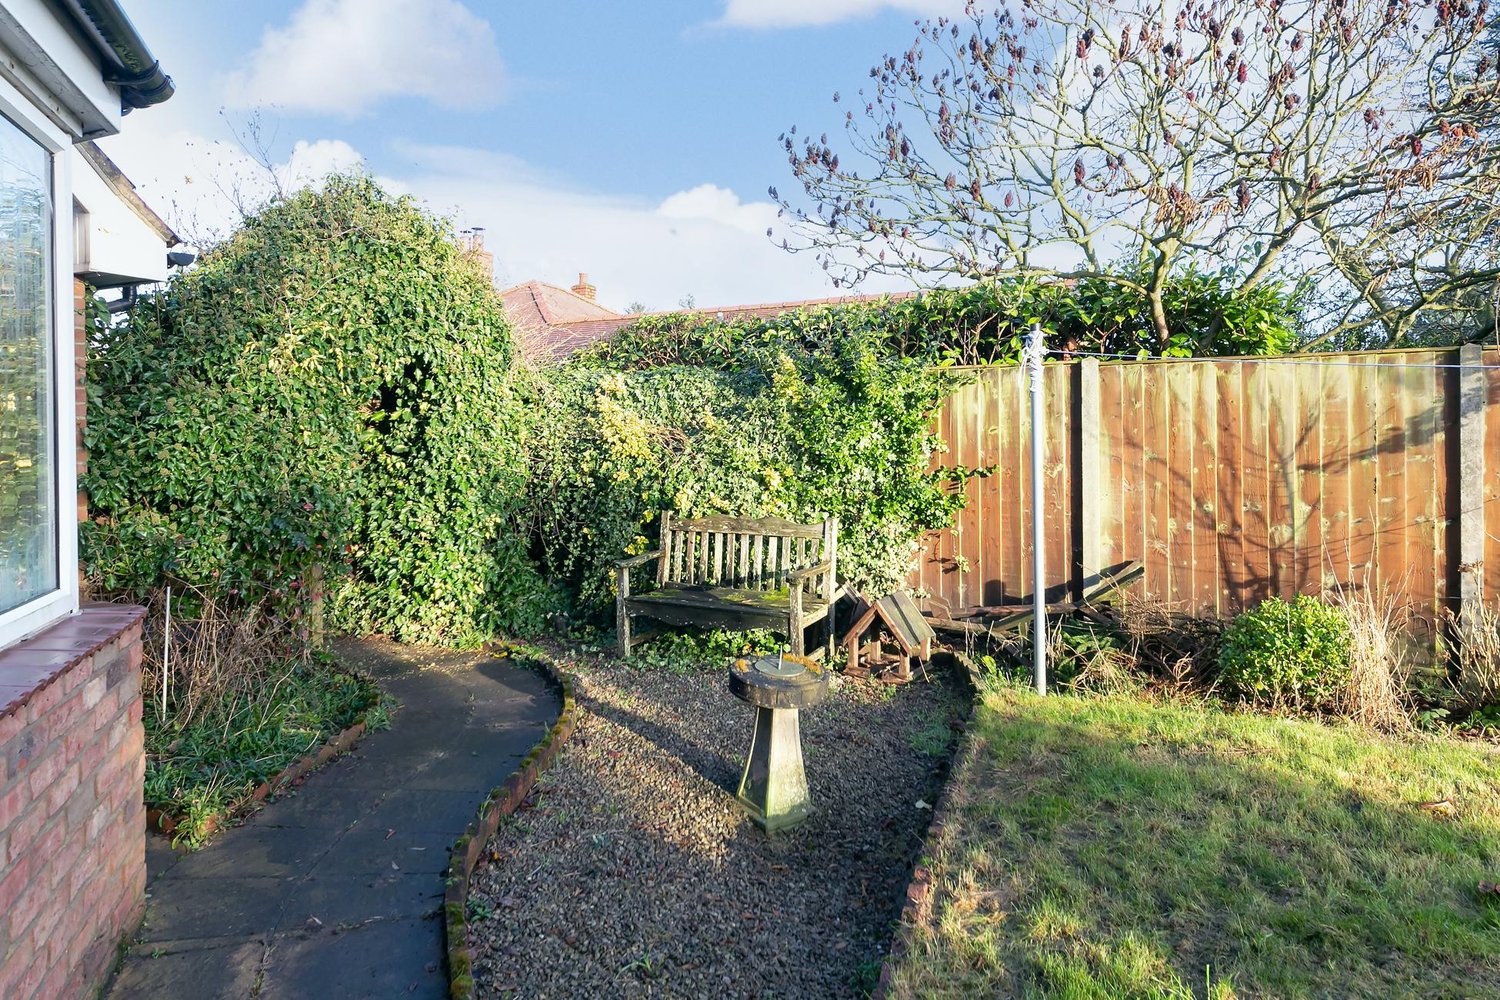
(72, 839)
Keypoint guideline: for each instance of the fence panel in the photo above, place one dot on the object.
(1230, 480)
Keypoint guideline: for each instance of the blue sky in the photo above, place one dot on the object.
(634, 141)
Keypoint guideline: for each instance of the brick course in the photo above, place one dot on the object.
(72, 831)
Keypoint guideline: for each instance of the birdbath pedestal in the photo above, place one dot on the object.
(773, 789)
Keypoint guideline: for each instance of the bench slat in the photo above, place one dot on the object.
(752, 525)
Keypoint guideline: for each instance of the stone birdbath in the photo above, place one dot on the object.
(773, 789)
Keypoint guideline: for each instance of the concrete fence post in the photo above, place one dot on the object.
(1090, 483)
(1473, 399)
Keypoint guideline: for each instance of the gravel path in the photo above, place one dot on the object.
(632, 873)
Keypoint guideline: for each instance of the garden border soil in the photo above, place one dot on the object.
(162, 823)
(502, 801)
(916, 909)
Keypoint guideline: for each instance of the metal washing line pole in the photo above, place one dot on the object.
(1034, 354)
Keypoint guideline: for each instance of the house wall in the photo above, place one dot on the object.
(71, 813)
(117, 246)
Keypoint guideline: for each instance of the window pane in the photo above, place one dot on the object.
(28, 519)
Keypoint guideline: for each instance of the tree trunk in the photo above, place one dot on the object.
(1159, 312)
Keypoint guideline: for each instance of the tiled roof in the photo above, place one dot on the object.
(528, 307)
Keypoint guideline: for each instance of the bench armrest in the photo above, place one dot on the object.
(639, 560)
(798, 575)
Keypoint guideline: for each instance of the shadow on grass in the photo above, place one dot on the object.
(1112, 848)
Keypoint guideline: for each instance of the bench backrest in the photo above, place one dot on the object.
(750, 553)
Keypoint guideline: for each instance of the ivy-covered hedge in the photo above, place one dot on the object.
(818, 411)
(777, 427)
(331, 389)
(330, 396)
(983, 324)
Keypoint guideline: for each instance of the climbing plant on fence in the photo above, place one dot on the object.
(330, 388)
(817, 411)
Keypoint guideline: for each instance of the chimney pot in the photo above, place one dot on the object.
(583, 288)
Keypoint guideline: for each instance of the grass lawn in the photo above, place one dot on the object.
(1112, 848)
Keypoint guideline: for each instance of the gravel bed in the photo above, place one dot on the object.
(632, 873)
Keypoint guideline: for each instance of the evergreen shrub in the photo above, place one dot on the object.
(1293, 655)
(329, 390)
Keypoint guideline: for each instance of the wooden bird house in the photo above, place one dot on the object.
(886, 636)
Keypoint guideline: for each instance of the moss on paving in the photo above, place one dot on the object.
(1113, 848)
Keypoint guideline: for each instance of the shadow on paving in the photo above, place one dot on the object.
(336, 890)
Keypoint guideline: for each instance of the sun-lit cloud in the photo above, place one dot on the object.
(344, 57)
(204, 186)
(716, 204)
(806, 13)
(703, 242)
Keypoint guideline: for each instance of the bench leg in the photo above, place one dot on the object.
(622, 616)
(796, 639)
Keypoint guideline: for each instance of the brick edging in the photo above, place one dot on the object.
(918, 906)
(161, 822)
(501, 802)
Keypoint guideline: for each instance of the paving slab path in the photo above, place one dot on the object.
(336, 891)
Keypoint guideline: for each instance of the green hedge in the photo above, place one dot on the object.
(331, 387)
(784, 431)
(983, 324)
(1288, 654)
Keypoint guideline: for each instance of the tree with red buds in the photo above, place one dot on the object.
(1339, 143)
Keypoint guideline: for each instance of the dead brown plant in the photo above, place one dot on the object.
(1178, 649)
(216, 655)
(1379, 674)
(1475, 632)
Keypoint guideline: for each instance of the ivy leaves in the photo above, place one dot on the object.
(331, 387)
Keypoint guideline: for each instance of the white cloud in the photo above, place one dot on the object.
(804, 13)
(704, 242)
(310, 162)
(709, 202)
(204, 186)
(345, 56)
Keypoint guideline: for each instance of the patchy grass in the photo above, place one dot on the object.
(1111, 848)
(200, 770)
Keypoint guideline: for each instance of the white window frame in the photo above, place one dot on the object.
(52, 607)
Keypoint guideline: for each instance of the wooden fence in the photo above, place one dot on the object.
(1231, 480)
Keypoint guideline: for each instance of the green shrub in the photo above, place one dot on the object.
(1288, 655)
(773, 427)
(330, 388)
(985, 323)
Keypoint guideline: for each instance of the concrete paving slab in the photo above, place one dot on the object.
(337, 900)
(233, 906)
(223, 971)
(377, 961)
(361, 847)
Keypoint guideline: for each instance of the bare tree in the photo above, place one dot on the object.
(1336, 142)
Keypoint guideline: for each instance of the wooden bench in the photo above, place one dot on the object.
(735, 573)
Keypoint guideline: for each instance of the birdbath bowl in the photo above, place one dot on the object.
(773, 789)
